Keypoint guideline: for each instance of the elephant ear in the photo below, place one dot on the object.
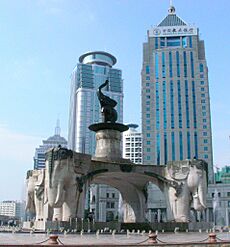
(178, 170)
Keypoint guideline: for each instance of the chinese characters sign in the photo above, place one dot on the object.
(172, 31)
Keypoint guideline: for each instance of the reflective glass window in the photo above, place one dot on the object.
(173, 41)
(165, 148)
(170, 65)
(188, 146)
(181, 145)
(178, 63)
(192, 64)
(158, 149)
(173, 145)
(172, 104)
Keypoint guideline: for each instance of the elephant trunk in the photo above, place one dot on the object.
(202, 192)
(30, 207)
(56, 196)
(199, 198)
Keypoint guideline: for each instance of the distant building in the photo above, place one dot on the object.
(53, 141)
(91, 71)
(223, 175)
(219, 194)
(132, 144)
(12, 209)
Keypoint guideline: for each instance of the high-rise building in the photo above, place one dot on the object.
(53, 141)
(132, 144)
(176, 122)
(91, 71)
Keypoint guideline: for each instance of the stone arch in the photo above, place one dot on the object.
(132, 187)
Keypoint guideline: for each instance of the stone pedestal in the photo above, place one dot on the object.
(108, 140)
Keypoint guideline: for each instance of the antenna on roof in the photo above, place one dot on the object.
(57, 128)
(171, 9)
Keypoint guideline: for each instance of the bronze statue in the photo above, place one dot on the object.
(108, 112)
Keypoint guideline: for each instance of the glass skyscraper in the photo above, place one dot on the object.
(91, 71)
(176, 122)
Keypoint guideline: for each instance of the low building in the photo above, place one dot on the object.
(12, 209)
(132, 144)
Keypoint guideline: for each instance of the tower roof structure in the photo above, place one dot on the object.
(172, 19)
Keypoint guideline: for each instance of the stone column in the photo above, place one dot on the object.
(227, 217)
(158, 215)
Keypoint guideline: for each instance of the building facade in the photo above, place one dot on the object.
(91, 71)
(53, 141)
(12, 209)
(132, 144)
(176, 122)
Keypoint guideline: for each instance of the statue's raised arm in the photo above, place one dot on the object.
(108, 112)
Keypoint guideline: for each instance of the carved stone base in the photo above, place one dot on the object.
(108, 140)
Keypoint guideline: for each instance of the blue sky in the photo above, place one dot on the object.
(40, 43)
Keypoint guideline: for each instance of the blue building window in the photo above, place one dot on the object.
(156, 66)
(158, 149)
(201, 68)
(194, 104)
(163, 65)
(173, 41)
(187, 104)
(185, 64)
(184, 42)
(147, 70)
(165, 148)
(181, 145)
(157, 107)
(192, 64)
(188, 146)
(173, 145)
(170, 65)
(172, 104)
(156, 43)
(162, 42)
(190, 41)
(164, 105)
(179, 104)
(196, 144)
(178, 63)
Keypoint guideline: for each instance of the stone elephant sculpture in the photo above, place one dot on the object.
(186, 184)
(63, 187)
(35, 193)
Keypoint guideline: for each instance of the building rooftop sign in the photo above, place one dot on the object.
(172, 31)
